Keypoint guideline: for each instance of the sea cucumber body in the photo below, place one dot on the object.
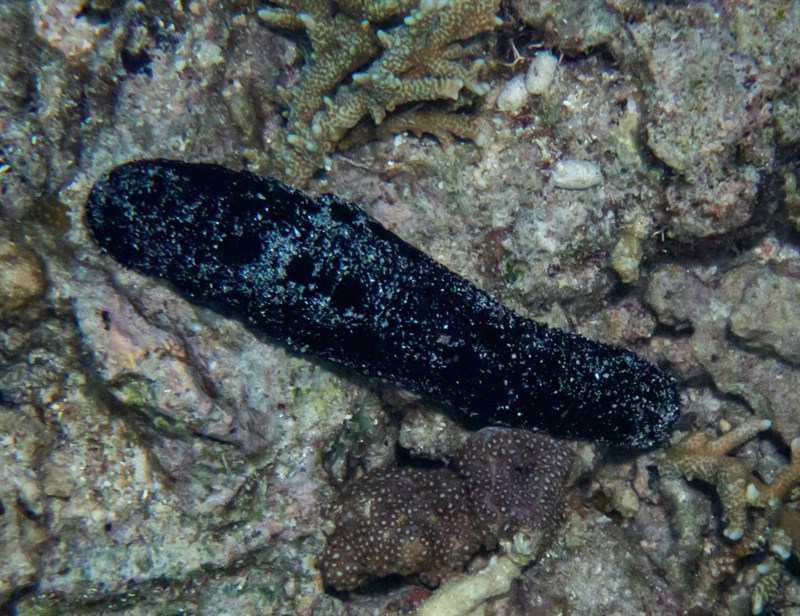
(323, 277)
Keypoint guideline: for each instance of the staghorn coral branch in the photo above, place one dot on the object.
(443, 125)
(771, 537)
(701, 457)
(376, 10)
(420, 59)
(340, 46)
(777, 492)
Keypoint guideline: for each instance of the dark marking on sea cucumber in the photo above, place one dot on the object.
(323, 277)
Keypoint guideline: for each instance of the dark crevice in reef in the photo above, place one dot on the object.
(768, 216)
(9, 607)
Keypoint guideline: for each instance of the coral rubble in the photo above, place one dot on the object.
(464, 594)
(431, 522)
(363, 62)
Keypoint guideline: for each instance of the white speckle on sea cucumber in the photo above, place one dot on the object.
(513, 96)
(577, 174)
(541, 72)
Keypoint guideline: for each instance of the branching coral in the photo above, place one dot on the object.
(432, 521)
(700, 457)
(771, 538)
(393, 51)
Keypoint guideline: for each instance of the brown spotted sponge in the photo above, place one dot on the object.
(430, 522)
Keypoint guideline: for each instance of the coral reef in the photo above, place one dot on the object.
(390, 64)
(699, 457)
(762, 545)
(195, 480)
(22, 281)
(698, 121)
(709, 307)
(594, 566)
(767, 318)
(431, 522)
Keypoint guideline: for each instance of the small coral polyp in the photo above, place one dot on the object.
(369, 58)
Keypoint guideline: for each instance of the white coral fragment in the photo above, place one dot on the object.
(513, 96)
(541, 73)
(466, 594)
(577, 174)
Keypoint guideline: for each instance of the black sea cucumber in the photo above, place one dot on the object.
(323, 277)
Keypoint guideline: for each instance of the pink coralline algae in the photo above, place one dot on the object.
(431, 521)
